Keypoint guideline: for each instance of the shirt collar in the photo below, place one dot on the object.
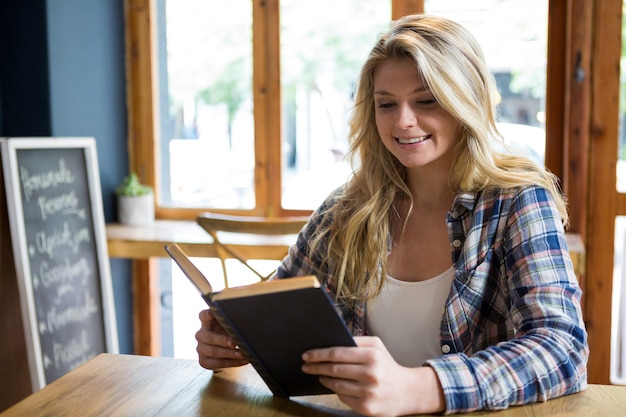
(464, 201)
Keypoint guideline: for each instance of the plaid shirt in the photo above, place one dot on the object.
(512, 330)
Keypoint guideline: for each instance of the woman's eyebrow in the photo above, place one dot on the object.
(417, 90)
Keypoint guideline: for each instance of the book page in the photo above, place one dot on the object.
(277, 285)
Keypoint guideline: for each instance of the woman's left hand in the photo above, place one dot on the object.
(370, 381)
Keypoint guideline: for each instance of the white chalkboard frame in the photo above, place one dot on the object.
(10, 148)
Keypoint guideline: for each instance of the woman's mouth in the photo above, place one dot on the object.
(409, 141)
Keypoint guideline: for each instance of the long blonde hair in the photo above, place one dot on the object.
(452, 64)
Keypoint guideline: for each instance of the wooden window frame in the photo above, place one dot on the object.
(143, 134)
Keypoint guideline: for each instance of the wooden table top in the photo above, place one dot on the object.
(145, 241)
(131, 385)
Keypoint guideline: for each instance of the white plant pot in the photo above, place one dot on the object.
(136, 210)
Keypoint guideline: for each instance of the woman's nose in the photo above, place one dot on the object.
(406, 117)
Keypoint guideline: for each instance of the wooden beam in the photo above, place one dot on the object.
(146, 309)
(267, 106)
(555, 86)
(401, 8)
(604, 131)
(141, 85)
(575, 144)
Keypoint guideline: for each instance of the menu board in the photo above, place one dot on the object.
(59, 241)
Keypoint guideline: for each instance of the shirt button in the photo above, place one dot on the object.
(455, 214)
(456, 243)
(445, 349)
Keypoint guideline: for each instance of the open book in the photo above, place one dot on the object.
(273, 323)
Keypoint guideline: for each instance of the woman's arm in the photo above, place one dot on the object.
(546, 355)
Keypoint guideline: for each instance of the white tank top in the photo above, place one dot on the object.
(407, 317)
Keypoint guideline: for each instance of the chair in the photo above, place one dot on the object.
(216, 224)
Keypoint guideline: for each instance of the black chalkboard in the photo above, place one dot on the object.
(58, 234)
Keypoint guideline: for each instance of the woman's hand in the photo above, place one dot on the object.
(215, 349)
(370, 381)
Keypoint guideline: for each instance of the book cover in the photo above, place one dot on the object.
(274, 323)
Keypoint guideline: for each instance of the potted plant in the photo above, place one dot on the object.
(135, 202)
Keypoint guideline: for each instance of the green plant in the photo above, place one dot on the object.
(131, 187)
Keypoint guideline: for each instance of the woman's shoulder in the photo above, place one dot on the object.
(522, 192)
(325, 209)
(518, 201)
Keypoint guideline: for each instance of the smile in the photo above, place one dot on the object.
(408, 141)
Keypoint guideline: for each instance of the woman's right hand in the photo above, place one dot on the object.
(215, 349)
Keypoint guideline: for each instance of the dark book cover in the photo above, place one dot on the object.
(276, 328)
(274, 323)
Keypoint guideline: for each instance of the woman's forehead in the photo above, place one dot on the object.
(398, 72)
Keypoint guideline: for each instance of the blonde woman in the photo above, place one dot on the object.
(447, 258)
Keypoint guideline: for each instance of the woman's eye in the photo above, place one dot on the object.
(427, 102)
(385, 105)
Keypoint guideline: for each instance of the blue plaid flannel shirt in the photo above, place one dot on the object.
(512, 330)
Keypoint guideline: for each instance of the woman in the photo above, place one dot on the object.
(447, 258)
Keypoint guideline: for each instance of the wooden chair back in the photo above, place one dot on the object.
(216, 224)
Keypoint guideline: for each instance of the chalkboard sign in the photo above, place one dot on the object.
(59, 241)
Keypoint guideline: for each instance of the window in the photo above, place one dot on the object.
(322, 50)
(206, 115)
(251, 99)
(514, 40)
(207, 119)
(249, 103)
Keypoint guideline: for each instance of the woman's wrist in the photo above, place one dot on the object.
(424, 394)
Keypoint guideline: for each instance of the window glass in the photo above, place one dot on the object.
(514, 40)
(205, 80)
(323, 45)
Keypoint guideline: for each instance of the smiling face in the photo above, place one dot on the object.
(410, 121)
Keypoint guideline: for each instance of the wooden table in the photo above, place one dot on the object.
(129, 386)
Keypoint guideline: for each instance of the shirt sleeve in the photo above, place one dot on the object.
(547, 355)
